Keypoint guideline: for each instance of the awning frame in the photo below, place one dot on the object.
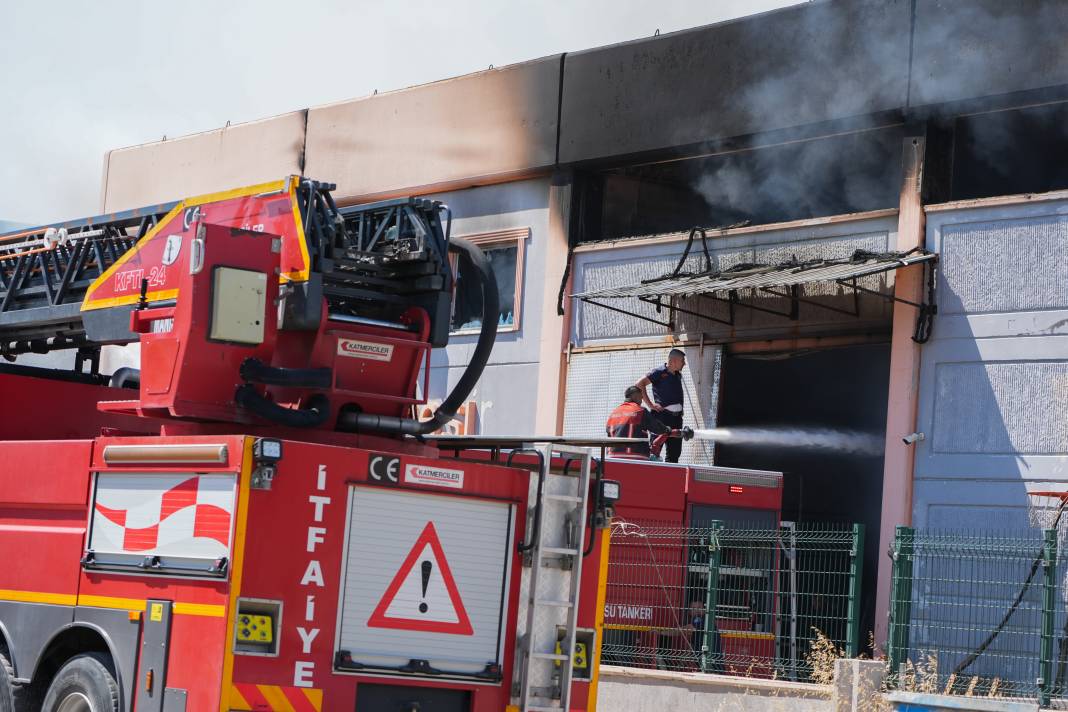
(927, 308)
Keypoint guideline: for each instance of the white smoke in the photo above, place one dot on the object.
(847, 441)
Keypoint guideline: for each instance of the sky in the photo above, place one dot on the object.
(79, 78)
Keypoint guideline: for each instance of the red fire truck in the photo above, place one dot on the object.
(654, 583)
(250, 521)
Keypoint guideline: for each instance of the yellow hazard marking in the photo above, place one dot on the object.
(237, 700)
(156, 613)
(315, 696)
(56, 599)
(598, 619)
(138, 604)
(238, 565)
(120, 604)
(210, 610)
(89, 304)
(275, 698)
(746, 634)
(275, 695)
(302, 274)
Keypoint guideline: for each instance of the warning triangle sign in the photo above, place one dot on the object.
(423, 594)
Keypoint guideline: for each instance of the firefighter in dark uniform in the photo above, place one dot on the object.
(667, 400)
(631, 420)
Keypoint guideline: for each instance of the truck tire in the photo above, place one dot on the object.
(83, 684)
(7, 685)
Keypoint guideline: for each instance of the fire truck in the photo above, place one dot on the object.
(252, 520)
(651, 585)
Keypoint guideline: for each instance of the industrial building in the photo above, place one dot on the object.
(804, 134)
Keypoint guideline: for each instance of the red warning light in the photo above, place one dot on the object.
(736, 489)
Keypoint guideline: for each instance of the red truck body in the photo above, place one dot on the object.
(249, 527)
(651, 582)
(287, 544)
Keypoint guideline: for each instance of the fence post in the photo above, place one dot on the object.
(790, 552)
(900, 600)
(715, 552)
(856, 569)
(1049, 612)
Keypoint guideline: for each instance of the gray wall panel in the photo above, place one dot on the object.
(1031, 252)
(1001, 408)
(508, 389)
(507, 395)
(993, 394)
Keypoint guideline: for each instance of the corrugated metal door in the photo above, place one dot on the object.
(994, 378)
(596, 382)
(425, 579)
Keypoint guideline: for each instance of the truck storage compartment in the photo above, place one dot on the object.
(425, 584)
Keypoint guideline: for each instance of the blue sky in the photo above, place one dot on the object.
(78, 78)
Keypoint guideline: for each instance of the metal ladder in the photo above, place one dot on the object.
(557, 526)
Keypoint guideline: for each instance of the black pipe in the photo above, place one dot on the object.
(491, 309)
(125, 377)
(255, 371)
(599, 475)
(311, 415)
(535, 529)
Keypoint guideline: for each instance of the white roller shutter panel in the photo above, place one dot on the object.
(475, 539)
(596, 381)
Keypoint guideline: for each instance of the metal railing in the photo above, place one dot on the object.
(775, 592)
(982, 614)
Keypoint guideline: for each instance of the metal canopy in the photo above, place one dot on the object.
(788, 274)
(783, 280)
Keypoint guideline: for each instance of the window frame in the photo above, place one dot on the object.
(488, 240)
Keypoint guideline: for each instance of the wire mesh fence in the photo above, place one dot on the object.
(981, 614)
(772, 594)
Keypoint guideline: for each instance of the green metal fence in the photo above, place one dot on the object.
(774, 593)
(980, 613)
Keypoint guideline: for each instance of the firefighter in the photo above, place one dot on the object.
(631, 420)
(667, 400)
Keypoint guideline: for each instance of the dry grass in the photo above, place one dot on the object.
(820, 658)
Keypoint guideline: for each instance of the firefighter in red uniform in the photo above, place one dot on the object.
(631, 420)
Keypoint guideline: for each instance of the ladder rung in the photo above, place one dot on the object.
(559, 550)
(549, 656)
(563, 497)
(558, 604)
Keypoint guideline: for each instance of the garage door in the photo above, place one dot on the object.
(425, 580)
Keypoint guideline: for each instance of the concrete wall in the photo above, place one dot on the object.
(994, 378)
(980, 48)
(801, 65)
(207, 162)
(821, 65)
(479, 127)
(658, 690)
(628, 262)
(509, 388)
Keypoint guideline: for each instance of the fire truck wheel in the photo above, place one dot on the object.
(84, 684)
(7, 693)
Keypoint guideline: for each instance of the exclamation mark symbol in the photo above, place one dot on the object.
(427, 568)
